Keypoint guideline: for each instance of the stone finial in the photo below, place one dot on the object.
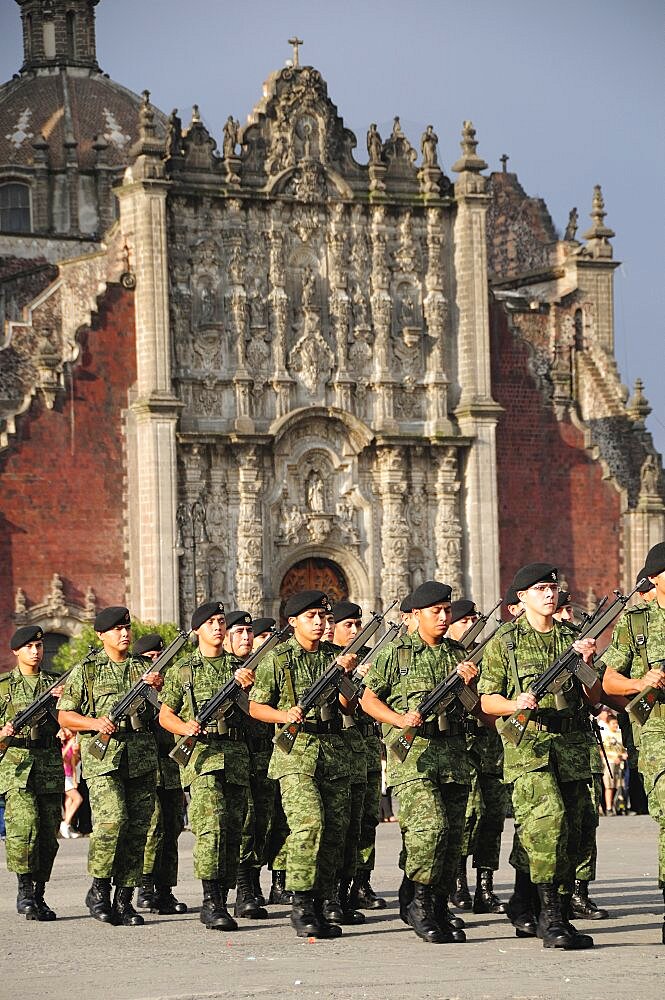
(147, 146)
(146, 118)
(638, 408)
(196, 117)
(599, 235)
(469, 161)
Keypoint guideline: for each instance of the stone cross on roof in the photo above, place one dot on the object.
(296, 43)
(504, 162)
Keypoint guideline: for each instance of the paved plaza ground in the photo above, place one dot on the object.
(176, 958)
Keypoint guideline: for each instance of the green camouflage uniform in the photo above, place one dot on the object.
(218, 773)
(278, 839)
(32, 781)
(372, 801)
(261, 801)
(488, 800)
(550, 771)
(433, 782)
(357, 758)
(122, 785)
(314, 777)
(588, 854)
(624, 656)
(160, 858)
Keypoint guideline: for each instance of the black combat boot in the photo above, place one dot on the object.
(520, 907)
(246, 904)
(146, 894)
(446, 920)
(582, 906)
(461, 897)
(303, 917)
(404, 896)
(332, 909)
(420, 915)
(98, 901)
(44, 911)
(552, 929)
(256, 886)
(278, 891)
(583, 940)
(485, 900)
(165, 903)
(328, 927)
(347, 900)
(213, 912)
(26, 903)
(363, 896)
(122, 906)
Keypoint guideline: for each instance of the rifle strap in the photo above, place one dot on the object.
(404, 655)
(639, 630)
(187, 680)
(283, 660)
(88, 684)
(6, 696)
(508, 643)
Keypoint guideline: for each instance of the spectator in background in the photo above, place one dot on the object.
(616, 754)
(71, 761)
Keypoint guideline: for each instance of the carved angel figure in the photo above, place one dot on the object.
(231, 127)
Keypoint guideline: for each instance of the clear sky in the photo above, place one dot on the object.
(571, 90)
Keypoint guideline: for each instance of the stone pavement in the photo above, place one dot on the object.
(176, 958)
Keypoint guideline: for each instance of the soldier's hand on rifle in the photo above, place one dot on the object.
(468, 671)
(364, 669)
(103, 725)
(654, 678)
(192, 728)
(526, 700)
(7, 730)
(244, 677)
(412, 720)
(154, 680)
(348, 663)
(57, 692)
(586, 648)
(295, 714)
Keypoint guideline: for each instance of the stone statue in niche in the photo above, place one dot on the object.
(649, 477)
(314, 492)
(257, 304)
(207, 304)
(428, 144)
(216, 573)
(308, 289)
(230, 141)
(173, 142)
(374, 144)
(360, 306)
(292, 520)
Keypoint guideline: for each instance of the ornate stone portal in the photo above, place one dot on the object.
(314, 311)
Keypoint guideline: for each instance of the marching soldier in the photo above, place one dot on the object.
(160, 859)
(433, 781)
(122, 785)
(31, 777)
(314, 777)
(218, 772)
(635, 661)
(550, 769)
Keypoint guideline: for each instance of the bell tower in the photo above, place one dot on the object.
(58, 34)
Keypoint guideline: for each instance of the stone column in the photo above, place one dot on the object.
(381, 316)
(391, 485)
(249, 563)
(477, 412)
(279, 308)
(644, 526)
(448, 526)
(437, 320)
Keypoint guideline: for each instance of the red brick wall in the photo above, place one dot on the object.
(553, 502)
(62, 511)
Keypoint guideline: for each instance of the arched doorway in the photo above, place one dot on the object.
(313, 574)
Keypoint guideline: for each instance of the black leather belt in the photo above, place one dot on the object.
(366, 728)
(41, 743)
(566, 724)
(430, 730)
(322, 728)
(235, 735)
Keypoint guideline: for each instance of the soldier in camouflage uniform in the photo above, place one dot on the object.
(218, 773)
(550, 769)
(314, 777)
(122, 785)
(160, 858)
(433, 781)
(634, 661)
(488, 801)
(31, 777)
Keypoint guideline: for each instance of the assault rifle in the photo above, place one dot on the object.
(138, 694)
(231, 694)
(477, 627)
(643, 704)
(37, 711)
(370, 656)
(451, 688)
(567, 665)
(333, 679)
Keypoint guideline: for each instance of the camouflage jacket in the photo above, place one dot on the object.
(570, 752)
(402, 675)
(327, 752)
(93, 688)
(43, 763)
(213, 752)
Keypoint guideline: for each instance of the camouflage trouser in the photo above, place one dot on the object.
(369, 823)
(160, 858)
(258, 817)
(586, 865)
(432, 819)
(122, 808)
(279, 836)
(483, 824)
(652, 767)
(216, 813)
(350, 854)
(317, 812)
(32, 823)
(548, 817)
(519, 859)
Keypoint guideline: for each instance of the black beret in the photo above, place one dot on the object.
(238, 618)
(534, 573)
(429, 593)
(460, 609)
(150, 643)
(261, 625)
(304, 601)
(109, 618)
(511, 596)
(564, 599)
(642, 576)
(27, 633)
(206, 611)
(346, 609)
(406, 607)
(655, 560)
